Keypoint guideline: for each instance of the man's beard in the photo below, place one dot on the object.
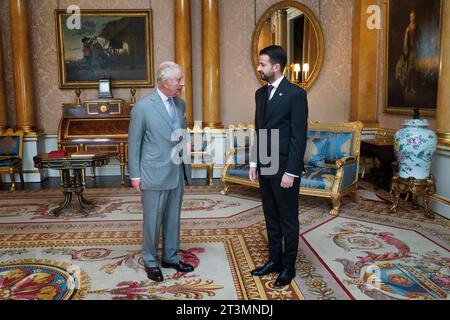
(265, 77)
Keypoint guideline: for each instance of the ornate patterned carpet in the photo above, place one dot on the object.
(364, 253)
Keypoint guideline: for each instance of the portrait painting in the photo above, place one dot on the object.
(412, 56)
(105, 44)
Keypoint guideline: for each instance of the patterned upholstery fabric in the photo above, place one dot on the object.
(315, 152)
(239, 171)
(339, 144)
(318, 178)
(9, 146)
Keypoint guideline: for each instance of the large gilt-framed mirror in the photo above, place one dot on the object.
(295, 27)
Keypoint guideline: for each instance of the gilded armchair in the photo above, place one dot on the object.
(11, 148)
(201, 155)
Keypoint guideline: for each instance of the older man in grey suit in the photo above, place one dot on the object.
(155, 169)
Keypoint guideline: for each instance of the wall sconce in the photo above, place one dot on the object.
(306, 70)
(297, 70)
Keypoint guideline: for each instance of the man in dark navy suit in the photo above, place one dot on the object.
(282, 116)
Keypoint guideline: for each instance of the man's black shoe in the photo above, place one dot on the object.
(154, 274)
(269, 267)
(179, 266)
(284, 278)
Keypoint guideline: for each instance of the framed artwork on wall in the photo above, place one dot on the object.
(115, 44)
(412, 55)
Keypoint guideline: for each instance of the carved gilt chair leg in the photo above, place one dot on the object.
(210, 174)
(225, 188)
(336, 202)
(12, 174)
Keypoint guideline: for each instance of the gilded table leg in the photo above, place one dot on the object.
(395, 191)
(78, 188)
(415, 204)
(429, 191)
(66, 186)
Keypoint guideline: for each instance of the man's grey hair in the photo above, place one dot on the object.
(166, 71)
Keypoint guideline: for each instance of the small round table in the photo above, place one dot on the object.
(71, 184)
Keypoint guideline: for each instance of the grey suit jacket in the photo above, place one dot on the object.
(150, 147)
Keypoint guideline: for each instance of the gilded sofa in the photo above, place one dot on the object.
(330, 172)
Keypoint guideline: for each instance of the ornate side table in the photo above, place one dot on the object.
(416, 187)
(71, 176)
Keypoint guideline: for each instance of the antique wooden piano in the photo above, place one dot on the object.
(98, 125)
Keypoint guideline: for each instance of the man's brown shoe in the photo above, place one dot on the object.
(154, 274)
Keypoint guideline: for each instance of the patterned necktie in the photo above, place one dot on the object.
(173, 114)
(267, 99)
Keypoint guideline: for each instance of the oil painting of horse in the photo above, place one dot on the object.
(108, 43)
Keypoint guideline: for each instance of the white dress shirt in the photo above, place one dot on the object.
(275, 86)
(165, 100)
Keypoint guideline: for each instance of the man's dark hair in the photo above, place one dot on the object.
(276, 54)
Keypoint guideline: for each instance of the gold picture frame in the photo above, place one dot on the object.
(412, 55)
(316, 37)
(117, 44)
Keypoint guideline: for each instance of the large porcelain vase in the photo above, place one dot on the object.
(414, 147)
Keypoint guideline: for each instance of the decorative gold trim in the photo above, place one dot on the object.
(31, 171)
(93, 146)
(427, 112)
(36, 133)
(148, 13)
(213, 125)
(440, 199)
(315, 70)
(89, 106)
(443, 138)
(27, 129)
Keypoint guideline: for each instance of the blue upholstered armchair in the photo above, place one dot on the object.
(240, 139)
(331, 161)
(11, 155)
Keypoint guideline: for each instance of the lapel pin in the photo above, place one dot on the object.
(281, 94)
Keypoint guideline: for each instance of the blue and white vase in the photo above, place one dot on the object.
(414, 147)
